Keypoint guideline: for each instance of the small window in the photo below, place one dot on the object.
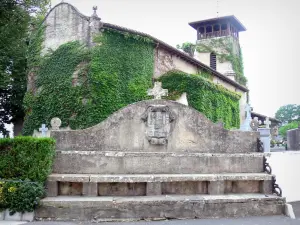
(213, 61)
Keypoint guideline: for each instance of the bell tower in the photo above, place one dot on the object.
(218, 45)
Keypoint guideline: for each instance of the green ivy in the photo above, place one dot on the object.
(224, 49)
(116, 72)
(214, 101)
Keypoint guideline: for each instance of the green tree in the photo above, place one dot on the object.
(283, 130)
(16, 20)
(288, 113)
(187, 47)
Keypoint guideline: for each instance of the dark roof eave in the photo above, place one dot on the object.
(271, 118)
(180, 54)
(240, 27)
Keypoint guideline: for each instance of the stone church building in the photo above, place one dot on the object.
(64, 23)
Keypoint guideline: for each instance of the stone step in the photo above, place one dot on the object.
(157, 184)
(96, 162)
(98, 209)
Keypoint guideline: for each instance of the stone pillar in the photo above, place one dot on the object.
(52, 188)
(266, 186)
(265, 137)
(216, 187)
(153, 188)
(90, 189)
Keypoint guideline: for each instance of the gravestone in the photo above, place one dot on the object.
(44, 130)
(157, 159)
(293, 139)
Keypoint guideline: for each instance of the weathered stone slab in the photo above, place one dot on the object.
(94, 162)
(134, 178)
(164, 207)
(190, 131)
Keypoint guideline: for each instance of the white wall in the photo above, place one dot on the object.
(286, 167)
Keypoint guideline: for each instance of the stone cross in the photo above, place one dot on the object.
(43, 129)
(267, 122)
(157, 91)
(248, 111)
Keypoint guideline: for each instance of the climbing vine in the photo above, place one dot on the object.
(214, 101)
(226, 50)
(84, 86)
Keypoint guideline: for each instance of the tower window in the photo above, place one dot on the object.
(217, 27)
(224, 27)
(213, 61)
(208, 29)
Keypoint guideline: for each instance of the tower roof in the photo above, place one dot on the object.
(239, 26)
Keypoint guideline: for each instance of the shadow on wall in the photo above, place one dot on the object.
(286, 166)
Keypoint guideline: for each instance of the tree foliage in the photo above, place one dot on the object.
(288, 113)
(187, 47)
(283, 130)
(16, 20)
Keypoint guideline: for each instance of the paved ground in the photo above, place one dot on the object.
(274, 220)
(271, 220)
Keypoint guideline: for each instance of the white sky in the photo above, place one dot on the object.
(269, 45)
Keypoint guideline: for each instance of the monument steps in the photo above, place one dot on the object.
(158, 159)
(95, 162)
(158, 207)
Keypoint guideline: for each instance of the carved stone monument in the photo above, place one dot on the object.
(158, 119)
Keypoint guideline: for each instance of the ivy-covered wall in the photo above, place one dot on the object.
(84, 86)
(226, 49)
(214, 101)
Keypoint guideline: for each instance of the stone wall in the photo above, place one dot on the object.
(157, 126)
(165, 61)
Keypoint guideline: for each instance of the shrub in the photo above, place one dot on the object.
(26, 158)
(20, 196)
